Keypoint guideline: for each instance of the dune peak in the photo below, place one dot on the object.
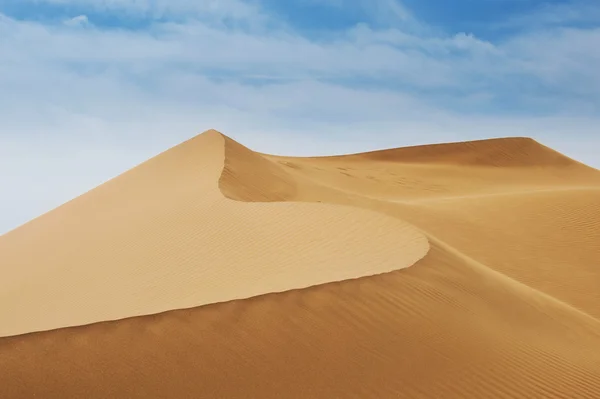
(160, 237)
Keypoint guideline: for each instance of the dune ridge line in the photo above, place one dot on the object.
(163, 236)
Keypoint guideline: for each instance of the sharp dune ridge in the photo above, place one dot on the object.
(460, 270)
(181, 243)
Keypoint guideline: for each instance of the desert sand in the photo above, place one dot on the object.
(461, 270)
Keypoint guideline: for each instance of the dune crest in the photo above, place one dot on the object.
(162, 236)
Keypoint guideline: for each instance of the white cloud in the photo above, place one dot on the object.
(78, 21)
(207, 10)
(383, 13)
(563, 58)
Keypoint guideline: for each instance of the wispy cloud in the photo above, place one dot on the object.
(559, 14)
(158, 9)
(78, 21)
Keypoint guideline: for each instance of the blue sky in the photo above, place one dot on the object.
(89, 88)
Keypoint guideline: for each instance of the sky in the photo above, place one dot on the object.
(90, 88)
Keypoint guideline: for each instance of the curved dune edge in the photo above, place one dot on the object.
(162, 236)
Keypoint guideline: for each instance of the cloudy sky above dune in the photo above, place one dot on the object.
(89, 88)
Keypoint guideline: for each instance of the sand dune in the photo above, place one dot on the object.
(461, 270)
(163, 237)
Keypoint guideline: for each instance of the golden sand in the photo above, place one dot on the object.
(463, 270)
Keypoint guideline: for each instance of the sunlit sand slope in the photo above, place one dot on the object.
(163, 236)
(503, 302)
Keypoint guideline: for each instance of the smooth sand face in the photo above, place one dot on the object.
(164, 237)
(503, 302)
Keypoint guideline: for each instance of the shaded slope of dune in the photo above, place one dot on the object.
(502, 305)
(547, 240)
(248, 176)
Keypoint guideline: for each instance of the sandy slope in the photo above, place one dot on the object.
(503, 303)
(163, 237)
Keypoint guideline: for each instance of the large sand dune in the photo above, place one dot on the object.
(462, 270)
